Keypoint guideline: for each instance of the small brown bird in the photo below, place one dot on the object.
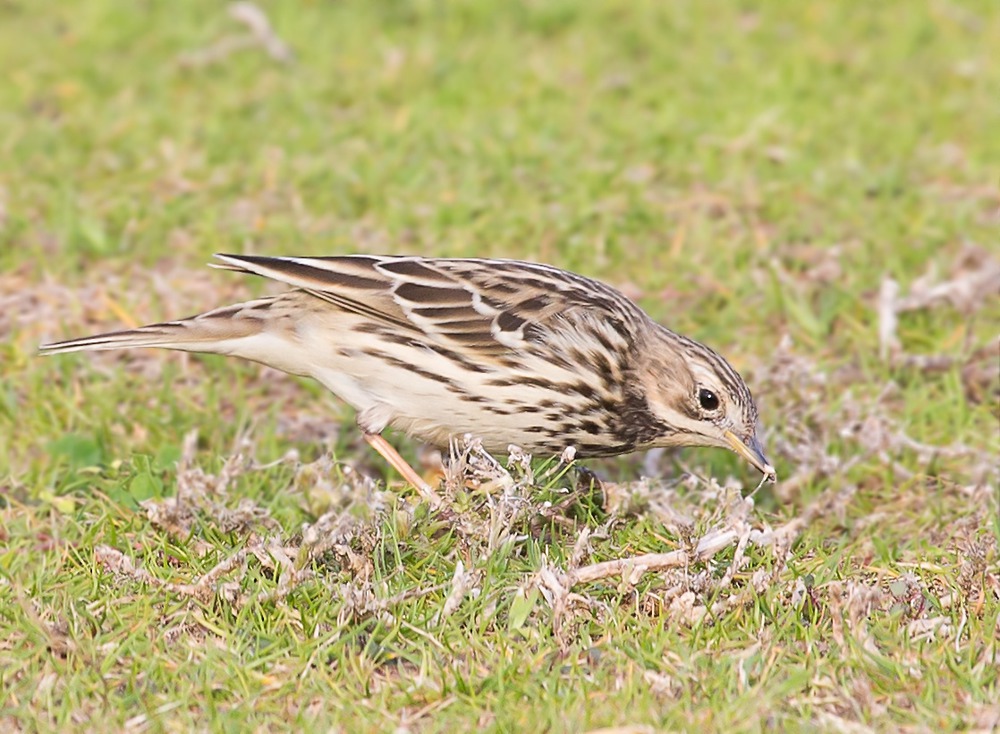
(511, 352)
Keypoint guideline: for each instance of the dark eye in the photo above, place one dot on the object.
(708, 399)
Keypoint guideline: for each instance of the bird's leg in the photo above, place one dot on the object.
(397, 462)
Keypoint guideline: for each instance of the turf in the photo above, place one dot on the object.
(811, 188)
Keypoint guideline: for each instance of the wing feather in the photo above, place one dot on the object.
(482, 308)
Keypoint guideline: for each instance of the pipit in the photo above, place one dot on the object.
(514, 353)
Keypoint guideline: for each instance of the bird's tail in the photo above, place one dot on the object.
(220, 331)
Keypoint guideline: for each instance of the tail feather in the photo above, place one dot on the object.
(169, 336)
(214, 331)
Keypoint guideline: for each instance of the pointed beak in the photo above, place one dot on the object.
(753, 453)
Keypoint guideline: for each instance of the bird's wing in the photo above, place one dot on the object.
(489, 308)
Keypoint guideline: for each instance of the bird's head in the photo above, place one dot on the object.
(702, 400)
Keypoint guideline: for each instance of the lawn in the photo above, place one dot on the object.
(196, 543)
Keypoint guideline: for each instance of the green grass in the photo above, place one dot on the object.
(750, 173)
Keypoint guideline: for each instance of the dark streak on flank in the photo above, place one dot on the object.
(502, 382)
(408, 341)
(410, 367)
(524, 408)
(457, 358)
(583, 389)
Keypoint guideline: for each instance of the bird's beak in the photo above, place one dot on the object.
(753, 453)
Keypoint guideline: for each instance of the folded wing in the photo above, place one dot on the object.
(506, 307)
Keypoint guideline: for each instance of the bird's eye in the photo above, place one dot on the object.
(708, 399)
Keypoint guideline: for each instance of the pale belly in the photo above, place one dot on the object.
(428, 396)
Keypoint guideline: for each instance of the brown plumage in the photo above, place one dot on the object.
(511, 352)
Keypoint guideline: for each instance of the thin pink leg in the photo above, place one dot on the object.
(400, 464)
